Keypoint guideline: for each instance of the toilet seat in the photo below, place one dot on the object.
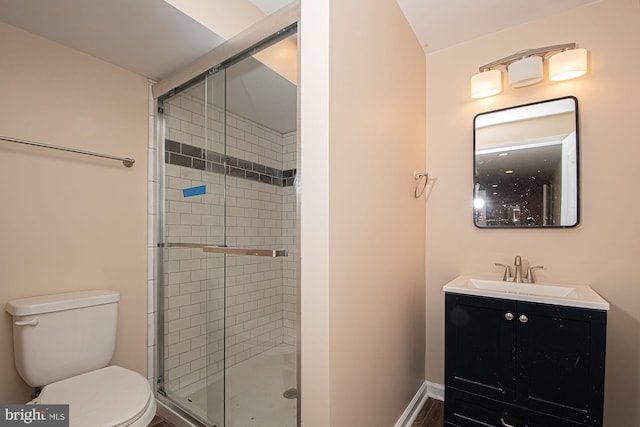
(111, 396)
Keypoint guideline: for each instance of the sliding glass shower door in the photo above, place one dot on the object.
(227, 292)
(193, 215)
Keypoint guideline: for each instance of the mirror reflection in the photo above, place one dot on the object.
(526, 165)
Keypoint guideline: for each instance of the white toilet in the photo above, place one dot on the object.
(64, 343)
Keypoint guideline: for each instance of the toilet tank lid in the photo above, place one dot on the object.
(58, 302)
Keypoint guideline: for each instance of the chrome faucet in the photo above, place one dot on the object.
(517, 277)
(518, 265)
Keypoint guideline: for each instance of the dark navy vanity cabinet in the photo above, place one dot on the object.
(516, 363)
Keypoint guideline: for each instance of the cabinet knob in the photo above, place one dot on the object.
(508, 316)
(523, 318)
(505, 424)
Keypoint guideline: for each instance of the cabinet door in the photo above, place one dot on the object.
(561, 354)
(480, 345)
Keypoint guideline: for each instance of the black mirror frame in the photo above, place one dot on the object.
(578, 168)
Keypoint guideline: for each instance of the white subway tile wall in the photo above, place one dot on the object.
(260, 293)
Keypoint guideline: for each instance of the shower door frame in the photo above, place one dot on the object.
(251, 49)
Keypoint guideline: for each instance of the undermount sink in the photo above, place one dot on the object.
(546, 293)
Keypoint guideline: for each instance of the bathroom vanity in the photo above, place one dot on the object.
(523, 354)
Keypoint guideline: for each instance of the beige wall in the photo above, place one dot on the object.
(71, 222)
(313, 204)
(376, 226)
(603, 250)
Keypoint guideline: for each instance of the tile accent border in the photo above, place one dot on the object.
(180, 154)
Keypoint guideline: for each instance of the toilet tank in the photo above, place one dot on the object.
(63, 335)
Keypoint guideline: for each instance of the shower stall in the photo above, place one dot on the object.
(227, 242)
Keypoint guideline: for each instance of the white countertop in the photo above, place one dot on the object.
(546, 293)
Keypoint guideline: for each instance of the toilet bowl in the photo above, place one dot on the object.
(111, 396)
(63, 343)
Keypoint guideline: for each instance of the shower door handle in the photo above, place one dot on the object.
(229, 250)
(246, 251)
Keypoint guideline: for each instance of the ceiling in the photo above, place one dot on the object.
(148, 37)
(439, 24)
(154, 38)
(539, 163)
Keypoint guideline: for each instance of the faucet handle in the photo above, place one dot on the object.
(507, 277)
(529, 278)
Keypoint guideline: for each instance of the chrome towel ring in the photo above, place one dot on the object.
(418, 176)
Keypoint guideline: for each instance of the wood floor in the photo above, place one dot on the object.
(159, 422)
(431, 414)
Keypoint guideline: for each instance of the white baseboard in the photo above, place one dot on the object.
(435, 390)
(426, 390)
(411, 412)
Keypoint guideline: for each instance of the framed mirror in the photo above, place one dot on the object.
(526, 166)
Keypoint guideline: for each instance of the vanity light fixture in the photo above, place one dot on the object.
(525, 68)
(525, 71)
(486, 83)
(568, 64)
